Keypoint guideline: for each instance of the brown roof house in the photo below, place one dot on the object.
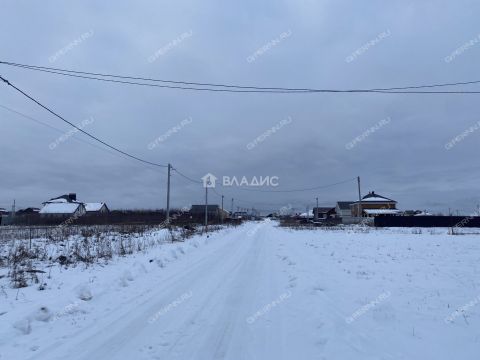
(373, 205)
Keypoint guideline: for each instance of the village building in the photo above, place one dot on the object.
(62, 208)
(373, 205)
(28, 211)
(213, 212)
(343, 210)
(96, 208)
(324, 212)
(68, 206)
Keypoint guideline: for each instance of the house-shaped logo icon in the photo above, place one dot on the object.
(209, 180)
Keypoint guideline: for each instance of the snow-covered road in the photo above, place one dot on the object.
(263, 292)
(198, 310)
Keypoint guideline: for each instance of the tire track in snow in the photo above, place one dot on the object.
(123, 328)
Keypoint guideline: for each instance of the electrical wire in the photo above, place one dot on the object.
(59, 130)
(270, 191)
(132, 156)
(186, 177)
(216, 192)
(239, 88)
(79, 129)
(298, 190)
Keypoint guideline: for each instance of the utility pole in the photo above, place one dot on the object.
(222, 209)
(359, 198)
(167, 219)
(206, 208)
(316, 211)
(232, 208)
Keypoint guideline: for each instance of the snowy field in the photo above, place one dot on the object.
(258, 291)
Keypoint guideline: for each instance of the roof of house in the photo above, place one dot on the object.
(372, 197)
(57, 201)
(381, 211)
(344, 205)
(93, 206)
(70, 198)
(28, 210)
(60, 208)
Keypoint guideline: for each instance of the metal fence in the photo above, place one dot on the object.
(427, 221)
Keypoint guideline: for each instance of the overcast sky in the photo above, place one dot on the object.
(301, 43)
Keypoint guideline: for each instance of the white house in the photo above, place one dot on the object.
(68, 206)
(62, 208)
(96, 208)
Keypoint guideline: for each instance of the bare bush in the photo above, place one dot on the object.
(73, 245)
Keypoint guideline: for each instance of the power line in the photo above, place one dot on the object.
(79, 129)
(238, 88)
(186, 177)
(153, 85)
(299, 190)
(233, 86)
(216, 192)
(273, 191)
(60, 131)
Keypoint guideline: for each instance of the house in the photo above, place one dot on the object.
(67, 205)
(96, 208)
(28, 211)
(323, 212)
(63, 208)
(3, 212)
(373, 205)
(343, 210)
(213, 212)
